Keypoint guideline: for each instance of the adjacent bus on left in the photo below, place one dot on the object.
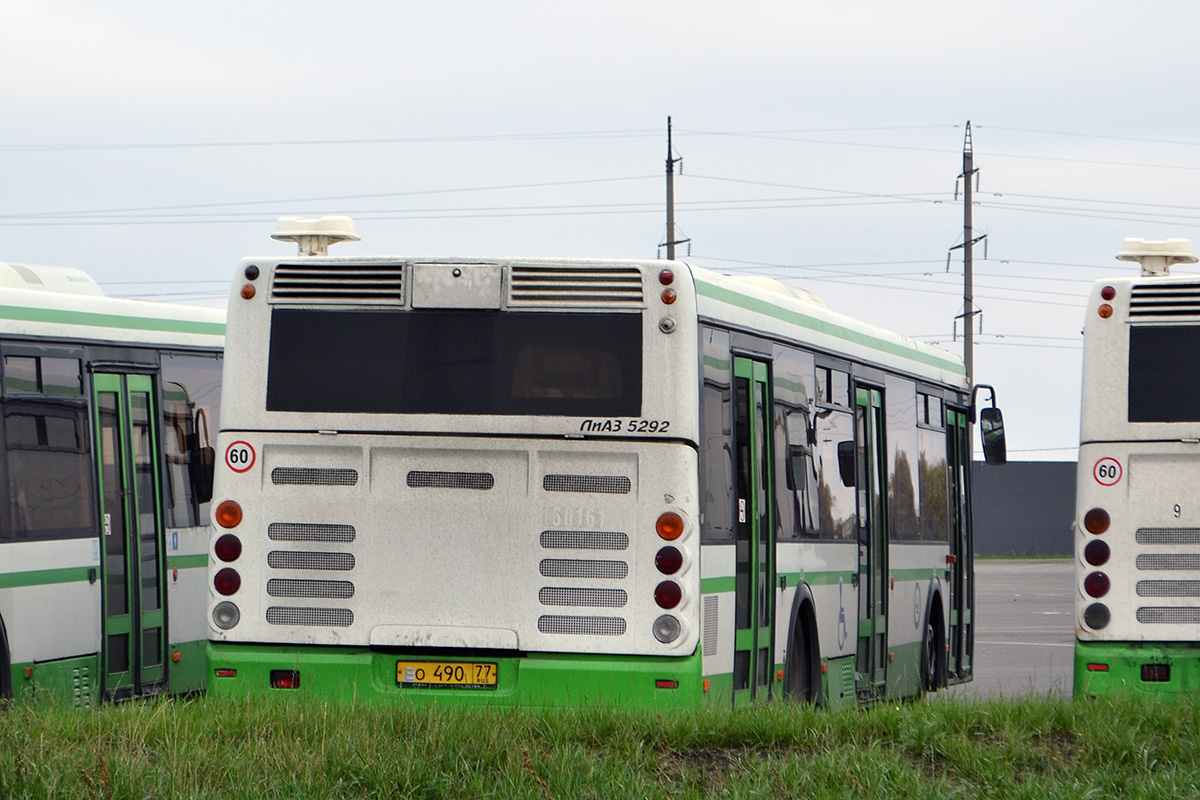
(106, 408)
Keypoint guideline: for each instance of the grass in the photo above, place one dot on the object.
(1125, 747)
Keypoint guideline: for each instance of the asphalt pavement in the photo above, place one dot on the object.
(1024, 629)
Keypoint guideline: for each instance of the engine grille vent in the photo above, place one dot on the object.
(309, 532)
(1169, 561)
(712, 608)
(1168, 535)
(335, 590)
(571, 568)
(312, 476)
(1151, 615)
(450, 480)
(1168, 588)
(584, 598)
(316, 617)
(287, 559)
(374, 284)
(619, 287)
(582, 626)
(1165, 300)
(590, 484)
(584, 540)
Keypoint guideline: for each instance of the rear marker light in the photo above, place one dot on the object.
(1097, 667)
(1097, 616)
(228, 514)
(666, 277)
(227, 581)
(1097, 584)
(228, 548)
(668, 296)
(251, 273)
(666, 684)
(1096, 521)
(226, 673)
(669, 526)
(1097, 553)
(248, 291)
(1108, 293)
(1105, 311)
(285, 679)
(177, 656)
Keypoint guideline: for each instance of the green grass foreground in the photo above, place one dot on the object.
(211, 748)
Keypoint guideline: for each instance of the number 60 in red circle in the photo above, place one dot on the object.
(239, 456)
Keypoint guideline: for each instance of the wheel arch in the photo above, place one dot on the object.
(803, 617)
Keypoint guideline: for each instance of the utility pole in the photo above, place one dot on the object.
(671, 162)
(968, 246)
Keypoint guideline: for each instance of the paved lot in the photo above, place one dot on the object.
(1024, 634)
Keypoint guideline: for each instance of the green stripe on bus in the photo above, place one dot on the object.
(188, 562)
(914, 574)
(729, 583)
(94, 320)
(733, 298)
(48, 577)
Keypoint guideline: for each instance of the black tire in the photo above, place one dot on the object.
(933, 662)
(6, 690)
(803, 679)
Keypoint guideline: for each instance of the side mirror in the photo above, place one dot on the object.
(201, 463)
(991, 434)
(845, 452)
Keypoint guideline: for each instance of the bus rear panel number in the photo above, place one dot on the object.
(625, 426)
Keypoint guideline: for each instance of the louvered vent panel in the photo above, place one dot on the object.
(335, 590)
(1189, 562)
(287, 559)
(712, 629)
(1168, 588)
(1165, 300)
(582, 568)
(584, 598)
(313, 476)
(309, 532)
(1150, 615)
(582, 626)
(316, 617)
(1168, 535)
(482, 481)
(619, 287)
(584, 540)
(372, 284)
(588, 484)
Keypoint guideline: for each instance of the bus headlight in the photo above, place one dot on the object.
(225, 615)
(667, 629)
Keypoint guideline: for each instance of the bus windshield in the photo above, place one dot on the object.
(455, 362)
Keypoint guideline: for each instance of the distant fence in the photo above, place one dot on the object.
(1024, 508)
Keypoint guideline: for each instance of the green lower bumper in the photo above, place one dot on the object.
(1152, 667)
(531, 680)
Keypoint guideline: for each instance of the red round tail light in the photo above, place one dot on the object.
(668, 594)
(1097, 584)
(228, 548)
(668, 560)
(1096, 553)
(227, 581)
(666, 277)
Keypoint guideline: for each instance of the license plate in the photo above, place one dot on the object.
(469, 674)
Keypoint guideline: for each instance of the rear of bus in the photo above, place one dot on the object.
(458, 480)
(1138, 507)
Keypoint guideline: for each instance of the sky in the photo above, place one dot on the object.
(153, 145)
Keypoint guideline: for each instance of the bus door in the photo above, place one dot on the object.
(961, 568)
(872, 543)
(134, 646)
(754, 611)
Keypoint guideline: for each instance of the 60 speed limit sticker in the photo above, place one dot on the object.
(1107, 471)
(239, 457)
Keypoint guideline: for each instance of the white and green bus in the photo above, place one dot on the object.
(1137, 527)
(107, 406)
(532, 481)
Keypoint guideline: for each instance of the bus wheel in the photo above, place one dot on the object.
(5, 665)
(801, 685)
(932, 663)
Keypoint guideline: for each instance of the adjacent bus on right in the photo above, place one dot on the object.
(1137, 522)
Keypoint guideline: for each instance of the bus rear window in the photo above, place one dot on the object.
(455, 362)
(1164, 383)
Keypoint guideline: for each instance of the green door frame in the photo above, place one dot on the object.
(133, 562)
(871, 471)
(754, 613)
(962, 587)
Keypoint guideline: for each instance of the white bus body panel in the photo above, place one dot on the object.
(51, 620)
